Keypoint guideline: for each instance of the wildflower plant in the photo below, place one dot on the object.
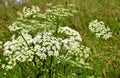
(43, 41)
(99, 28)
(33, 19)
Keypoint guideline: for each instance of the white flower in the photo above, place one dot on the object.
(50, 53)
(7, 53)
(30, 59)
(37, 47)
(3, 66)
(8, 67)
(10, 62)
(14, 27)
(82, 61)
(43, 56)
(56, 53)
(70, 32)
(106, 36)
(99, 28)
(53, 48)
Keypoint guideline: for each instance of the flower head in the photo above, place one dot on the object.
(99, 28)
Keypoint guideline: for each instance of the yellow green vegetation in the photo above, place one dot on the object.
(103, 58)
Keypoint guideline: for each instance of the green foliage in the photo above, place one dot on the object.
(105, 57)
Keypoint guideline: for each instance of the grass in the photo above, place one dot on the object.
(106, 53)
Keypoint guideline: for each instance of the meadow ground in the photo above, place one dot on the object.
(105, 59)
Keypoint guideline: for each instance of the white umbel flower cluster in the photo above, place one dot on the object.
(33, 19)
(74, 35)
(27, 12)
(73, 38)
(99, 28)
(17, 50)
(44, 43)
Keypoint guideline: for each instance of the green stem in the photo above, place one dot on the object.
(57, 25)
(57, 28)
(24, 39)
(41, 72)
(64, 70)
(50, 68)
(22, 70)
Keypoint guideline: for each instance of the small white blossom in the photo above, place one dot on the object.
(56, 53)
(50, 53)
(8, 67)
(99, 28)
(3, 66)
(7, 53)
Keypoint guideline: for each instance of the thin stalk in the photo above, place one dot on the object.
(24, 39)
(22, 70)
(57, 25)
(50, 68)
(64, 70)
(41, 73)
